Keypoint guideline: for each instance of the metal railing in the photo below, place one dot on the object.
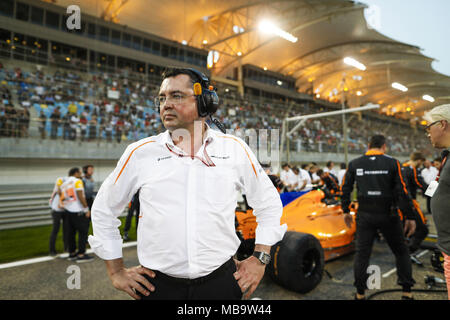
(26, 206)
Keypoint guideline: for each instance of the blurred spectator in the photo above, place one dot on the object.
(132, 115)
(42, 124)
(24, 122)
(74, 120)
(66, 126)
(341, 173)
(55, 118)
(92, 130)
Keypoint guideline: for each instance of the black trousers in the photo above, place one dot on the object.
(90, 202)
(428, 204)
(390, 226)
(77, 222)
(218, 285)
(58, 217)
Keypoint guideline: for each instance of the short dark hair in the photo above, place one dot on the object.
(319, 172)
(377, 141)
(343, 165)
(284, 165)
(175, 71)
(329, 163)
(86, 167)
(417, 155)
(73, 171)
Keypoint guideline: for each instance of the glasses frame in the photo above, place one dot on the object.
(176, 100)
(427, 128)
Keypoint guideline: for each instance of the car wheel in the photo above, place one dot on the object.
(297, 262)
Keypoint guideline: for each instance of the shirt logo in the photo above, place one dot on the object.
(164, 158)
(218, 157)
(359, 172)
(377, 172)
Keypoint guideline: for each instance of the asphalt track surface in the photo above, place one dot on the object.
(48, 280)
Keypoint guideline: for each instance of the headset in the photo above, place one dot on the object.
(207, 98)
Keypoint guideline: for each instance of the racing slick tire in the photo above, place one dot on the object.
(297, 262)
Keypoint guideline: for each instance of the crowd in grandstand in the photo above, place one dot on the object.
(119, 107)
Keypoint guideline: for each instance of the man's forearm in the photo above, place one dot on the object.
(114, 266)
(82, 198)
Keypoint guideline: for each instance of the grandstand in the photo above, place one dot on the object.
(70, 97)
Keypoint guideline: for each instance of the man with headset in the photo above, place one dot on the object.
(187, 177)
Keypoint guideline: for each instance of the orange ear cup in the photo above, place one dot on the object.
(197, 89)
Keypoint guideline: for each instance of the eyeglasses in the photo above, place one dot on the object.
(427, 128)
(175, 98)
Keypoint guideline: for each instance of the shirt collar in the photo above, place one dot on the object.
(167, 139)
(373, 152)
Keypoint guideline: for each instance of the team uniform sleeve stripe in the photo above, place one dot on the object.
(128, 159)
(415, 178)
(248, 156)
(401, 178)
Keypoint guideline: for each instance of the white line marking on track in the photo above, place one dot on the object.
(387, 274)
(48, 258)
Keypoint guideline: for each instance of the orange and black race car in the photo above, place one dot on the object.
(316, 233)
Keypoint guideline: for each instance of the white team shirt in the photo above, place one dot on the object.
(284, 176)
(341, 175)
(69, 191)
(54, 199)
(288, 178)
(430, 174)
(315, 177)
(332, 171)
(187, 205)
(304, 175)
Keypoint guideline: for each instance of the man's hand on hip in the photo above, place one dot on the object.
(249, 273)
(130, 280)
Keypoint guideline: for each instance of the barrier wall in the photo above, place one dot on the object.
(34, 161)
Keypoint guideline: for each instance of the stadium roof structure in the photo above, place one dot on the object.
(326, 32)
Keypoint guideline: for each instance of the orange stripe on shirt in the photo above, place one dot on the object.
(401, 178)
(254, 170)
(415, 178)
(128, 159)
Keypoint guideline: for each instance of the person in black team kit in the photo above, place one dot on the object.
(414, 181)
(381, 189)
(330, 181)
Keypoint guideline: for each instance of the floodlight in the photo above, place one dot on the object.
(270, 28)
(354, 63)
(399, 86)
(428, 98)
